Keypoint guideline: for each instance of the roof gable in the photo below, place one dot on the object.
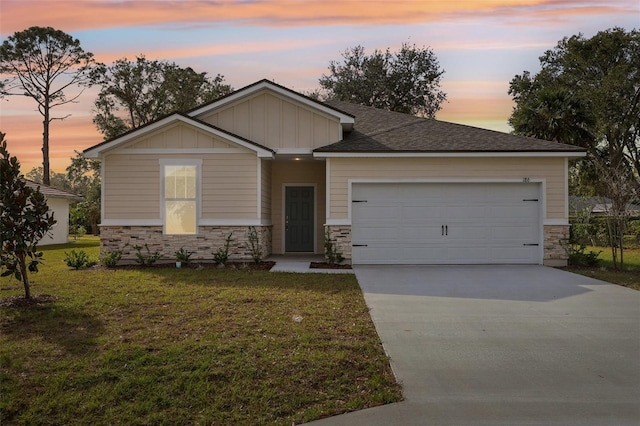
(139, 134)
(345, 118)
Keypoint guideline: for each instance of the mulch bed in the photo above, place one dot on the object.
(262, 266)
(325, 265)
(20, 301)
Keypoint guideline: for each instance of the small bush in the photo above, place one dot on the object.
(183, 256)
(578, 257)
(221, 256)
(78, 259)
(147, 258)
(110, 258)
(254, 245)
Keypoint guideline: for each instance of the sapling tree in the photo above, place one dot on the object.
(24, 220)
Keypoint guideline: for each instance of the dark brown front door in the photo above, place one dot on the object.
(299, 226)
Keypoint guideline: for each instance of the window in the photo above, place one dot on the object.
(180, 198)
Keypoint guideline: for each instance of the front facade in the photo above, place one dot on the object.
(386, 187)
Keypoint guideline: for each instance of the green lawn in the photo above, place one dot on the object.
(177, 346)
(629, 277)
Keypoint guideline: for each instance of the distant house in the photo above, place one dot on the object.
(58, 202)
(384, 187)
(597, 206)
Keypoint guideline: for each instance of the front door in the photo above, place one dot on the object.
(298, 225)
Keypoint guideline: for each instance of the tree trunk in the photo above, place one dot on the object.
(22, 261)
(45, 144)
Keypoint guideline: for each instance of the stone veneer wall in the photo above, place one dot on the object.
(554, 252)
(208, 240)
(341, 236)
(554, 236)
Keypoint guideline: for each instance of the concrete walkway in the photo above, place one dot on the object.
(503, 345)
(301, 264)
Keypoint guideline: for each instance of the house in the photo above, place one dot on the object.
(385, 187)
(597, 206)
(58, 202)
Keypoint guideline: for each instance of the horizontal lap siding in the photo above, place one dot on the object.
(551, 169)
(132, 186)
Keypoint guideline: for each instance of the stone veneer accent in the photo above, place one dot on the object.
(555, 253)
(341, 236)
(208, 240)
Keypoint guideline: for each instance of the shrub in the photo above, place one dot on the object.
(254, 245)
(146, 259)
(183, 256)
(221, 256)
(110, 258)
(78, 259)
(331, 251)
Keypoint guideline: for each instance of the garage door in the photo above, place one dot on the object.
(453, 223)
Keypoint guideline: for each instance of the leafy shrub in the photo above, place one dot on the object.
(331, 251)
(77, 231)
(221, 256)
(110, 258)
(254, 245)
(78, 259)
(183, 256)
(578, 257)
(147, 258)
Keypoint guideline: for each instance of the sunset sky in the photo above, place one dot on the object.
(481, 45)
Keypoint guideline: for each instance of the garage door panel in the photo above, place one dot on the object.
(404, 223)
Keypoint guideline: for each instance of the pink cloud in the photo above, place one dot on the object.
(74, 15)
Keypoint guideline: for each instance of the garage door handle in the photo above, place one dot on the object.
(359, 245)
(445, 229)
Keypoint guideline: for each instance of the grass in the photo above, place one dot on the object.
(629, 277)
(178, 346)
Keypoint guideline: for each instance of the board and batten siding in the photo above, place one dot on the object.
(229, 185)
(276, 122)
(296, 173)
(454, 169)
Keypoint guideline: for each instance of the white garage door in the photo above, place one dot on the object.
(452, 223)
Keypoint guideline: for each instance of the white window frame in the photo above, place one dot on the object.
(180, 162)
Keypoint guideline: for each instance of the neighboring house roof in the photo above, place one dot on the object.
(596, 205)
(94, 151)
(377, 130)
(50, 191)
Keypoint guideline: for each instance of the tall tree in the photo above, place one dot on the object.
(587, 93)
(137, 92)
(84, 177)
(24, 221)
(42, 63)
(406, 81)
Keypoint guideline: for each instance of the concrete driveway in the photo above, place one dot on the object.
(503, 345)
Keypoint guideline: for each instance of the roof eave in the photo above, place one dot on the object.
(426, 154)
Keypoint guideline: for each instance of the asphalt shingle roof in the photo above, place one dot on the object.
(50, 191)
(377, 130)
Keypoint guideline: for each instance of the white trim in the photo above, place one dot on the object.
(175, 118)
(203, 222)
(327, 190)
(463, 154)
(293, 151)
(183, 151)
(132, 222)
(338, 222)
(284, 214)
(552, 222)
(234, 222)
(247, 91)
(259, 188)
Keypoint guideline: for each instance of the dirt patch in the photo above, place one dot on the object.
(325, 265)
(21, 301)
